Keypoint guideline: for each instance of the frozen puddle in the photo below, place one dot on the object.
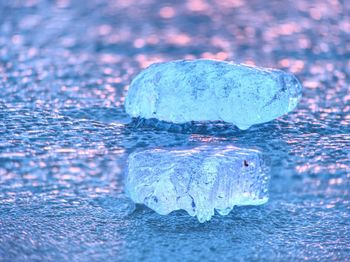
(198, 180)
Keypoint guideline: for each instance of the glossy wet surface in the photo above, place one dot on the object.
(64, 139)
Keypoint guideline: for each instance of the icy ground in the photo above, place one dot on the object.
(64, 70)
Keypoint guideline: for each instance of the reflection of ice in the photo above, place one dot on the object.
(198, 180)
(210, 90)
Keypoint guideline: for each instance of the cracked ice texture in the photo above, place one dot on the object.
(198, 180)
(210, 90)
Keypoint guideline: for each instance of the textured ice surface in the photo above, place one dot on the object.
(63, 153)
(198, 180)
(210, 90)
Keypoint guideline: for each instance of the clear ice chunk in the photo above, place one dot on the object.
(210, 90)
(198, 180)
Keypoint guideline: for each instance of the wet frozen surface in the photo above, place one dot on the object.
(64, 139)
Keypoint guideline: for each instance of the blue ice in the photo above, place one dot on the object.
(210, 90)
(198, 180)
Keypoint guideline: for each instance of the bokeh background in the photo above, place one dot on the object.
(65, 67)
